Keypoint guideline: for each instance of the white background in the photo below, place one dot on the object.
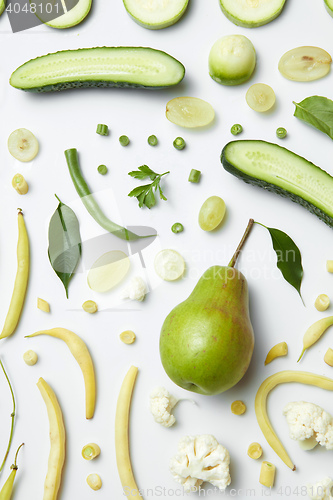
(69, 119)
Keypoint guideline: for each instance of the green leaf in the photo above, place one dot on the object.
(318, 112)
(64, 243)
(289, 259)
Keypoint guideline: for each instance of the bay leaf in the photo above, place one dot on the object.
(318, 112)
(64, 243)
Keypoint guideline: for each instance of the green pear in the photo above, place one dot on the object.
(207, 341)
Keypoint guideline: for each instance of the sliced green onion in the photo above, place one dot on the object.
(124, 140)
(179, 143)
(152, 140)
(281, 132)
(236, 129)
(102, 169)
(102, 129)
(194, 176)
(177, 228)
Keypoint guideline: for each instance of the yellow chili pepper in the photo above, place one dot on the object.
(7, 489)
(21, 280)
(80, 352)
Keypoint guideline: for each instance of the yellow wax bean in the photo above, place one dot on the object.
(314, 332)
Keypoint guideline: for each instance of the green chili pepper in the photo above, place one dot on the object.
(152, 140)
(7, 489)
(91, 204)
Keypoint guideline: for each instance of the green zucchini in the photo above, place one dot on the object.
(154, 14)
(277, 169)
(99, 67)
(70, 18)
(251, 13)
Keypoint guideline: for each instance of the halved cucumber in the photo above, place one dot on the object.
(279, 170)
(329, 6)
(251, 13)
(71, 17)
(99, 67)
(155, 14)
(2, 6)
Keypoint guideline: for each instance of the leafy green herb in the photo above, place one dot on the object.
(145, 194)
(64, 243)
(318, 112)
(289, 259)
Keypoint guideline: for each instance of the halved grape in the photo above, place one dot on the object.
(211, 213)
(169, 265)
(108, 271)
(260, 97)
(189, 112)
(305, 64)
(23, 145)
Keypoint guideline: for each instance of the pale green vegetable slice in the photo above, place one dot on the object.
(23, 145)
(108, 271)
(211, 213)
(260, 97)
(2, 6)
(329, 6)
(169, 265)
(251, 13)
(189, 112)
(70, 18)
(156, 14)
(305, 64)
(232, 60)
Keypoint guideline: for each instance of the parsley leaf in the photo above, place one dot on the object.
(145, 193)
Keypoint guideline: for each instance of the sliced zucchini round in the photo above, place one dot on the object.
(251, 13)
(99, 67)
(329, 6)
(71, 18)
(2, 6)
(155, 14)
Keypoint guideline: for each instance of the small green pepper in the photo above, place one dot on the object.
(152, 140)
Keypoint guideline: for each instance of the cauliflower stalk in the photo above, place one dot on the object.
(161, 405)
(200, 459)
(136, 290)
(309, 423)
(323, 490)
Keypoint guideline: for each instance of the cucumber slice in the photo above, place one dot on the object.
(329, 6)
(99, 67)
(155, 14)
(251, 13)
(71, 18)
(2, 6)
(277, 169)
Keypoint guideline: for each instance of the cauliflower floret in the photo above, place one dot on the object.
(161, 405)
(307, 420)
(323, 490)
(199, 459)
(136, 290)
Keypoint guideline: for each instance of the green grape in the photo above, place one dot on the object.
(260, 97)
(211, 213)
(189, 112)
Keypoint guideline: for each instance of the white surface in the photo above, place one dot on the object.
(69, 119)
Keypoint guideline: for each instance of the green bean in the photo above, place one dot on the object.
(177, 228)
(12, 416)
(236, 129)
(124, 140)
(194, 176)
(102, 129)
(179, 143)
(102, 169)
(281, 132)
(152, 140)
(91, 204)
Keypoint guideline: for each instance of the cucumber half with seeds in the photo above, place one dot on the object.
(99, 67)
(156, 14)
(277, 169)
(70, 18)
(251, 13)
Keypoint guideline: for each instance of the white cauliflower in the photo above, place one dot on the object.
(307, 420)
(199, 459)
(136, 290)
(161, 405)
(323, 490)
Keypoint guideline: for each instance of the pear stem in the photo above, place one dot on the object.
(241, 243)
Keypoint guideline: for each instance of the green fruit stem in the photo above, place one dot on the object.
(241, 243)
